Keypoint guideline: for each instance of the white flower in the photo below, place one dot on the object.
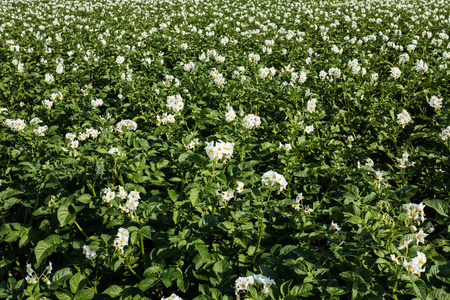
(49, 78)
(395, 73)
(445, 133)
(122, 239)
(108, 195)
(271, 178)
(49, 268)
(435, 102)
(379, 175)
(175, 103)
(90, 254)
(240, 187)
(335, 226)
(415, 211)
(126, 125)
(395, 259)
(74, 144)
(172, 297)
(420, 237)
(311, 106)
(403, 118)
(250, 121)
(309, 129)
(120, 59)
(404, 244)
(218, 150)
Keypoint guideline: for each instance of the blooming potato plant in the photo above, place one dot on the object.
(218, 150)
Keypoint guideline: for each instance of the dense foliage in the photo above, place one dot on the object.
(224, 149)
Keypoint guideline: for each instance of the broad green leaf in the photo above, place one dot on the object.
(148, 282)
(63, 294)
(77, 282)
(442, 207)
(302, 290)
(208, 221)
(66, 215)
(85, 294)
(173, 195)
(113, 291)
(42, 250)
(85, 198)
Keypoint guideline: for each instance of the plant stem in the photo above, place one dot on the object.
(81, 229)
(261, 225)
(134, 272)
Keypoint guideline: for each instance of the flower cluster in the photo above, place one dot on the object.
(16, 125)
(264, 72)
(271, 178)
(175, 103)
(445, 133)
(122, 239)
(218, 150)
(49, 78)
(40, 131)
(224, 196)
(189, 66)
(421, 66)
(435, 102)
(416, 265)
(260, 280)
(165, 118)
(132, 198)
(250, 121)
(298, 199)
(90, 254)
(192, 144)
(395, 73)
(403, 161)
(218, 78)
(415, 211)
(33, 278)
(126, 125)
(285, 146)
(172, 297)
(47, 103)
(403, 118)
(96, 103)
(311, 106)
(230, 115)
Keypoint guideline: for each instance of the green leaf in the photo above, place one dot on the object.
(442, 207)
(42, 250)
(63, 294)
(173, 195)
(419, 288)
(113, 291)
(77, 282)
(193, 196)
(61, 275)
(148, 282)
(336, 291)
(208, 221)
(351, 276)
(302, 290)
(85, 198)
(65, 215)
(183, 157)
(222, 268)
(287, 249)
(85, 294)
(146, 231)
